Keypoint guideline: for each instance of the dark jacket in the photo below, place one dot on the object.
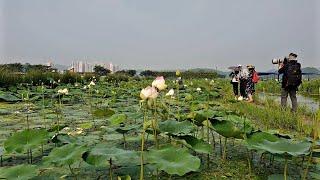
(284, 71)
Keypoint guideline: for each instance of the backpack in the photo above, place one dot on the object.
(294, 75)
(255, 77)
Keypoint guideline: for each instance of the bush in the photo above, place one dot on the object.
(8, 78)
(118, 77)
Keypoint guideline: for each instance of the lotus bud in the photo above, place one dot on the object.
(178, 73)
(159, 83)
(149, 93)
(170, 93)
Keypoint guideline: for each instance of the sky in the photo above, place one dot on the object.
(159, 35)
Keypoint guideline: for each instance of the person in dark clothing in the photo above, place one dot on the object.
(235, 82)
(243, 78)
(250, 83)
(291, 79)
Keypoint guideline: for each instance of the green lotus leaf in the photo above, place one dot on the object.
(278, 177)
(4, 112)
(214, 94)
(253, 140)
(103, 113)
(196, 144)
(126, 129)
(203, 115)
(63, 139)
(285, 146)
(26, 139)
(227, 129)
(173, 127)
(315, 175)
(117, 119)
(19, 172)
(188, 97)
(8, 97)
(65, 155)
(100, 155)
(173, 160)
(56, 127)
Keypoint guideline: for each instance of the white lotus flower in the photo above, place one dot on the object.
(59, 80)
(65, 129)
(199, 89)
(170, 93)
(63, 91)
(85, 87)
(149, 93)
(159, 83)
(92, 83)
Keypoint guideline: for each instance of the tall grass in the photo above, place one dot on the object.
(273, 86)
(268, 114)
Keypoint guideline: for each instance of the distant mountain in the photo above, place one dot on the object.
(201, 70)
(310, 70)
(222, 73)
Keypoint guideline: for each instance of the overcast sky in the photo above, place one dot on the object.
(160, 34)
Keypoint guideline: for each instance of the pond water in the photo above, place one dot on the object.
(312, 103)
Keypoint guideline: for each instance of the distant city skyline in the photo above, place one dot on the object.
(159, 35)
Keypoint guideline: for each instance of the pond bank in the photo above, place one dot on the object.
(310, 103)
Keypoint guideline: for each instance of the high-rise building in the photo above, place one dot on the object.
(82, 66)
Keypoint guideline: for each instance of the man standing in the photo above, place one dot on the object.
(291, 80)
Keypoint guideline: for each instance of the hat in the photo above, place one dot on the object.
(250, 66)
(293, 54)
(239, 65)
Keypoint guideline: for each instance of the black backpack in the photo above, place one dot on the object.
(294, 75)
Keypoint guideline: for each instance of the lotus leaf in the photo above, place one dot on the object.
(227, 129)
(8, 97)
(278, 177)
(103, 113)
(173, 160)
(63, 139)
(65, 155)
(19, 172)
(202, 115)
(258, 137)
(285, 146)
(100, 155)
(117, 119)
(196, 144)
(125, 129)
(173, 127)
(27, 139)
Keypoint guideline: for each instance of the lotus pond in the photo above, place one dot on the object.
(114, 130)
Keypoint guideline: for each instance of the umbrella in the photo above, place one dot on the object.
(233, 68)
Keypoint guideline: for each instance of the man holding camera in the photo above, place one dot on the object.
(291, 80)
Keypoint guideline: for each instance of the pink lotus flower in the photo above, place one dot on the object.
(159, 83)
(149, 93)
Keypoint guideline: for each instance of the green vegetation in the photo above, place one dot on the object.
(99, 128)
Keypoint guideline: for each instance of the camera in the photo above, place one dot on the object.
(279, 61)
